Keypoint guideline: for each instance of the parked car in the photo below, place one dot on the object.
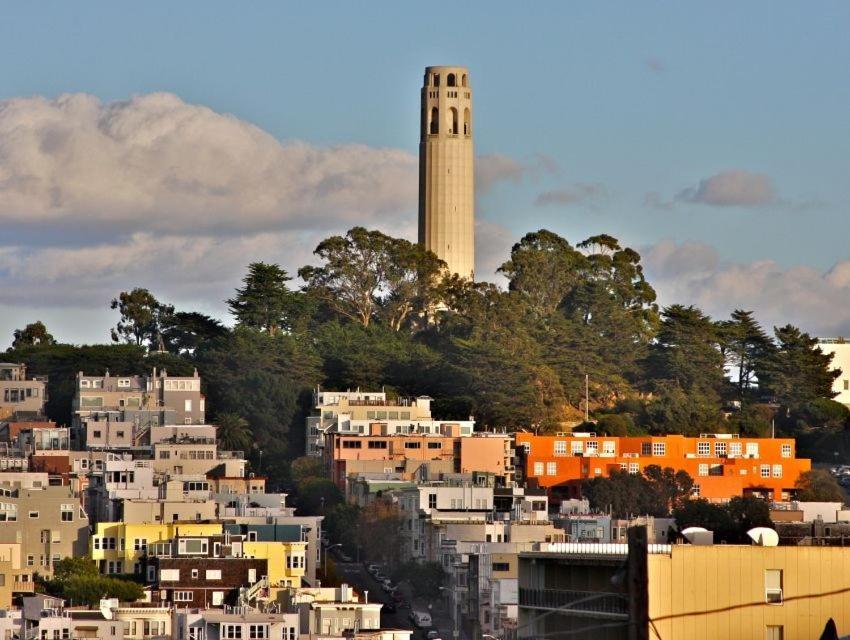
(420, 619)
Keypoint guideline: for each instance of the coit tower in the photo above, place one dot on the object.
(446, 185)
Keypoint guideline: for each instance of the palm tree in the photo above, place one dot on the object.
(233, 432)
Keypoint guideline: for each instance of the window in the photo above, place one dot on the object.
(560, 447)
(123, 383)
(777, 471)
(182, 596)
(765, 471)
(435, 445)
(230, 631)
(773, 586)
(217, 598)
(258, 631)
(592, 447)
(634, 468)
(213, 574)
(719, 449)
(96, 434)
(774, 632)
(695, 490)
(576, 446)
(66, 512)
(786, 450)
(847, 385)
(715, 470)
(194, 574)
(377, 444)
(608, 446)
(169, 575)
(33, 514)
(659, 449)
(538, 469)
(412, 445)
(30, 560)
(187, 405)
(734, 448)
(753, 449)
(703, 448)
(432, 500)
(434, 127)
(703, 470)
(288, 633)
(645, 448)
(551, 468)
(501, 566)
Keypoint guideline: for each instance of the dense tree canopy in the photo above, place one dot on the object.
(381, 312)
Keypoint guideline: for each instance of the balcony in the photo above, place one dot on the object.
(23, 586)
(590, 603)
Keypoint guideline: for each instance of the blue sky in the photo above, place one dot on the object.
(714, 137)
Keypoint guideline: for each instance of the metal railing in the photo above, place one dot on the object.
(611, 604)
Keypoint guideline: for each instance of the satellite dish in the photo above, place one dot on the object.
(698, 535)
(764, 537)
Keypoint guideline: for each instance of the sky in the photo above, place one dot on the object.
(167, 145)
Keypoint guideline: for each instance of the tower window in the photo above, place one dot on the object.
(436, 79)
(450, 80)
(435, 121)
(463, 80)
(453, 121)
(467, 124)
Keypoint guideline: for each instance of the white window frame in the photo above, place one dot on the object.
(551, 468)
(703, 448)
(538, 469)
(786, 451)
(560, 447)
(659, 449)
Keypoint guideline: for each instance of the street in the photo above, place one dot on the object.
(356, 575)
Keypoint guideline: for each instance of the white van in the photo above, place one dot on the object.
(420, 619)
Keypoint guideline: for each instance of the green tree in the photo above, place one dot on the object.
(78, 581)
(265, 302)
(367, 274)
(307, 467)
(232, 432)
(818, 485)
(34, 334)
(185, 331)
(797, 371)
(317, 496)
(729, 522)
(744, 343)
(424, 578)
(341, 524)
(544, 268)
(674, 410)
(378, 525)
(623, 494)
(143, 318)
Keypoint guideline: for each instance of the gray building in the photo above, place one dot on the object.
(117, 412)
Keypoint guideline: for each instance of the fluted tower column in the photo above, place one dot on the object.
(446, 184)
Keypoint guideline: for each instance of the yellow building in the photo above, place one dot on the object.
(748, 592)
(734, 592)
(286, 563)
(119, 547)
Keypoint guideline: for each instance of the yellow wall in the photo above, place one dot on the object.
(151, 531)
(276, 553)
(725, 585)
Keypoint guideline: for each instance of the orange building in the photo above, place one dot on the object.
(410, 455)
(722, 465)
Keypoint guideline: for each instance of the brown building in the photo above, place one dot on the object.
(205, 582)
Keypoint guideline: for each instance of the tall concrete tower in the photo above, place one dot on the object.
(446, 185)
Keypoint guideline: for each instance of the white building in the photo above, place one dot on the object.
(840, 350)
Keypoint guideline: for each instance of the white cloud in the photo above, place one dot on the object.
(96, 198)
(692, 273)
(580, 193)
(733, 188)
(158, 163)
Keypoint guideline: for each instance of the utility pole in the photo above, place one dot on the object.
(586, 397)
(637, 577)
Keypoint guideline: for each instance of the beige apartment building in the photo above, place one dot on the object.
(180, 500)
(20, 394)
(47, 522)
(117, 411)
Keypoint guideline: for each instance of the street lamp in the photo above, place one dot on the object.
(325, 562)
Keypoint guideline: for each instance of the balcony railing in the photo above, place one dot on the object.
(583, 602)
